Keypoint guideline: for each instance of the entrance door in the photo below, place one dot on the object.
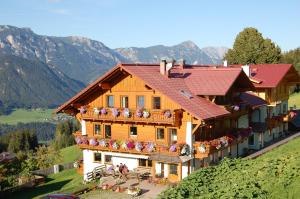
(173, 173)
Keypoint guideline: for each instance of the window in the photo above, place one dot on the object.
(173, 135)
(173, 169)
(107, 131)
(97, 157)
(108, 158)
(97, 129)
(156, 102)
(133, 131)
(110, 101)
(140, 102)
(160, 133)
(145, 163)
(124, 101)
(251, 140)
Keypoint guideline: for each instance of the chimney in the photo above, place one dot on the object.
(225, 64)
(163, 67)
(246, 69)
(182, 63)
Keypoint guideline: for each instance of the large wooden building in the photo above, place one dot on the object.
(172, 118)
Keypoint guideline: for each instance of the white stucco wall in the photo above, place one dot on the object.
(88, 161)
(185, 170)
(83, 127)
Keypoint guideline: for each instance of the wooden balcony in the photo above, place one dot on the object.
(85, 142)
(203, 149)
(154, 117)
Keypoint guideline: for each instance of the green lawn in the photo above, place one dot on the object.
(26, 116)
(66, 181)
(295, 100)
(70, 154)
(273, 175)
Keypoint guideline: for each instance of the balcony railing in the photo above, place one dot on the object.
(127, 146)
(132, 115)
(204, 148)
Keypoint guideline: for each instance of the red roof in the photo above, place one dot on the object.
(182, 86)
(268, 75)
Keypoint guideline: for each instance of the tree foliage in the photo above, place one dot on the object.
(292, 57)
(251, 48)
(63, 134)
(22, 140)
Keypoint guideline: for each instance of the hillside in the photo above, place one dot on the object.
(31, 83)
(273, 175)
(187, 50)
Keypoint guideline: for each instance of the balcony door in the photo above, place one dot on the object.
(124, 101)
(172, 135)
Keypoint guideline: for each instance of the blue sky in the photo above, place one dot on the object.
(125, 23)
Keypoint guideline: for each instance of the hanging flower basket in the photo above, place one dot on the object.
(167, 114)
(115, 112)
(173, 148)
(146, 114)
(103, 143)
(103, 111)
(130, 145)
(115, 145)
(78, 140)
(85, 140)
(139, 113)
(83, 109)
(138, 146)
(202, 148)
(185, 150)
(223, 142)
(93, 142)
(97, 110)
(126, 113)
(124, 145)
(236, 108)
(150, 147)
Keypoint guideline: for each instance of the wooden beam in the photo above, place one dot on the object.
(196, 127)
(105, 85)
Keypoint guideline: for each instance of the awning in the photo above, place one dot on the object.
(170, 159)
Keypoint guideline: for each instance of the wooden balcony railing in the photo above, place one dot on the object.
(127, 146)
(132, 116)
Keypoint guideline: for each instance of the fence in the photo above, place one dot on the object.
(50, 170)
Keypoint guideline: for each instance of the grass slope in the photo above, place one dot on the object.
(273, 175)
(294, 100)
(26, 116)
(70, 154)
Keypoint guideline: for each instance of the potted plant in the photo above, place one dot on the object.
(83, 109)
(126, 113)
(103, 143)
(85, 140)
(134, 191)
(146, 114)
(138, 146)
(130, 145)
(93, 142)
(173, 148)
(167, 113)
(115, 145)
(124, 145)
(139, 112)
(78, 140)
(150, 147)
(103, 111)
(115, 112)
(97, 110)
(202, 148)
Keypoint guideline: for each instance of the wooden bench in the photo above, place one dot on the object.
(99, 171)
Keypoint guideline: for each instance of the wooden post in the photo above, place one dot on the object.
(153, 169)
(180, 172)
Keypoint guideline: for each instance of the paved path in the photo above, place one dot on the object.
(272, 146)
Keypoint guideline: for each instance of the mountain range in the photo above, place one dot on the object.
(66, 64)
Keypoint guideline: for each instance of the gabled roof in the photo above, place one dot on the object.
(252, 99)
(214, 81)
(180, 86)
(270, 75)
